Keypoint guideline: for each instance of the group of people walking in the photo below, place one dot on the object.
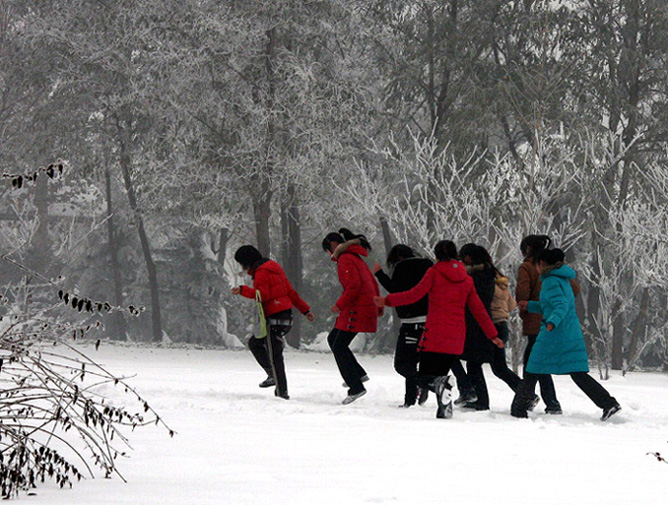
(456, 309)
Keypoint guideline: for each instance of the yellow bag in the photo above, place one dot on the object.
(260, 326)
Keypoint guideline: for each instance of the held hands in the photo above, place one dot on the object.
(498, 342)
(236, 290)
(375, 268)
(379, 301)
(310, 316)
(335, 309)
(523, 304)
(549, 327)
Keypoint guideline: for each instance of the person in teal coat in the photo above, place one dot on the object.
(560, 347)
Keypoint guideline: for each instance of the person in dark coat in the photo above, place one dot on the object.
(450, 292)
(478, 348)
(560, 346)
(355, 307)
(407, 270)
(278, 297)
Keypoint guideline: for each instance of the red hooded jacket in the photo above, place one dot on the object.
(358, 312)
(275, 288)
(450, 290)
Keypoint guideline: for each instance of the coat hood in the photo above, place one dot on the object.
(563, 271)
(452, 270)
(502, 281)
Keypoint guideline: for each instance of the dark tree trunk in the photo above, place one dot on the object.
(223, 239)
(119, 330)
(294, 263)
(145, 246)
(638, 328)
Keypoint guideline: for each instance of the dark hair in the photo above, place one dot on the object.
(470, 250)
(531, 245)
(247, 256)
(445, 250)
(551, 256)
(483, 256)
(399, 252)
(342, 236)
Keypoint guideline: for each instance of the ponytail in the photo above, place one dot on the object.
(531, 245)
(348, 235)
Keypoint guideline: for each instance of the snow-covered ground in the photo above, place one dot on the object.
(238, 444)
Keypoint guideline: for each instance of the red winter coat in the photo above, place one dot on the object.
(275, 288)
(358, 312)
(450, 290)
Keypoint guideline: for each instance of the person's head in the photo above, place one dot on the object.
(445, 250)
(469, 254)
(247, 256)
(549, 258)
(399, 252)
(531, 245)
(333, 239)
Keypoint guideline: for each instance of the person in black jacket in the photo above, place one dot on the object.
(407, 271)
(478, 348)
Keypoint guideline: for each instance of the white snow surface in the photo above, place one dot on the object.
(238, 444)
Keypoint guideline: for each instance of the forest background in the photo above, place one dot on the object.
(190, 127)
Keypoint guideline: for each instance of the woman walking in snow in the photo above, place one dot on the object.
(355, 308)
(478, 348)
(450, 292)
(278, 297)
(560, 346)
(528, 288)
(407, 270)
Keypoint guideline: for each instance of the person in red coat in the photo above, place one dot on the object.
(278, 297)
(355, 307)
(450, 291)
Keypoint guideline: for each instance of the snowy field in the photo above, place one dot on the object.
(237, 444)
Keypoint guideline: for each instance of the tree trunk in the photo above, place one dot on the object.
(119, 330)
(145, 246)
(638, 328)
(262, 213)
(294, 262)
(223, 239)
(391, 341)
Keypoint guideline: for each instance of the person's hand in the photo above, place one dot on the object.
(310, 316)
(379, 301)
(335, 309)
(236, 290)
(549, 327)
(523, 304)
(375, 268)
(498, 342)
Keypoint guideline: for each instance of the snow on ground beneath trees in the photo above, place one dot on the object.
(238, 444)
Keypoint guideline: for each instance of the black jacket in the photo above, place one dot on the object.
(406, 275)
(478, 347)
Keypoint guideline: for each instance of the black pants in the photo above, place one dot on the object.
(432, 365)
(272, 362)
(477, 378)
(499, 364)
(406, 358)
(351, 370)
(464, 384)
(589, 386)
(547, 391)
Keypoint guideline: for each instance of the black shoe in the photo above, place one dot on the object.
(406, 405)
(364, 378)
(610, 411)
(285, 395)
(423, 396)
(520, 414)
(534, 402)
(351, 398)
(475, 406)
(467, 397)
(268, 382)
(554, 411)
(443, 387)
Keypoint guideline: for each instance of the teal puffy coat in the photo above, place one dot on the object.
(562, 350)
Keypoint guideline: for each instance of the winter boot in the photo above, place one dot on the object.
(423, 396)
(467, 397)
(534, 402)
(283, 395)
(443, 386)
(610, 411)
(364, 378)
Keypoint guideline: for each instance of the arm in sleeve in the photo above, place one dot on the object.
(350, 280)
(480, 314)
(260, 283)
(554, 295)
(414, 294)
(386, 281)
(523, 288)
(534, 307)
(575, 286)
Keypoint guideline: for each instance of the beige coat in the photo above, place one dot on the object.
(504, 302)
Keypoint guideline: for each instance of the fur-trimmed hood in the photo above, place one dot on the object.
(352, 246)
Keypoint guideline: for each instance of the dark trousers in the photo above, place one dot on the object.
(477, 378)
(268, 352)
(351, 370)
(464, 384)
(547, 391)
(432, 365)
(589, 386)
(499, 364)
(406, 358)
